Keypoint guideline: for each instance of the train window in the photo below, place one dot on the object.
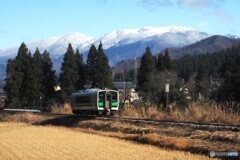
(109, 97)
(114, 96)
(101, 99)
(83, 99)
(114, 99)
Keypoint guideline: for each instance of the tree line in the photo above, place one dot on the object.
(153, 74)
(31, 80)
(212, 72)
(214, 76)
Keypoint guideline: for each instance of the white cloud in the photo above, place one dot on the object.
(202, 24)
(102, 1)
(4, 32)
(212, 9)
(220, 14)
(191, 4)
(200, 3)
(154, 4)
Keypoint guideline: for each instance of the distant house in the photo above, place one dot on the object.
(127, 92)
(185, 91)
(124, 85)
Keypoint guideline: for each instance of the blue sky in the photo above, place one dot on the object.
(30, 20)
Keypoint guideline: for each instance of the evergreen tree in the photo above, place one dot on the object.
(13, 84)
(22, 68)
(185, 67)
(27, 79)
(164, 62)
(49, 80)
(81, 71)
(91, 68)
(147, 68)
(69, 73)
(160, 63)
(21, 83)
(236, 81)
(230, 74)
(27, 90)
(103, 72)
(167, 61)
(202, 82)
(37, 79)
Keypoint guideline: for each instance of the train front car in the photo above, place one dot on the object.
(95, 101)
(108, 102)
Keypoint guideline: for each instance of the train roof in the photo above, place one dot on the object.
(91, 91)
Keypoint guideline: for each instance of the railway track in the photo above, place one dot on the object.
(202, 126)
(195, 125)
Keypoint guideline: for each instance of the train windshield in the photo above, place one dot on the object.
(111, 97)
(114, 99)
(101, 99)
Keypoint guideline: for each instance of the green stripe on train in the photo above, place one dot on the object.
(100, 104)
(114, 104)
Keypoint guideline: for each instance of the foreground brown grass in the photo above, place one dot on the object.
(65, 109)
(26, 117)
(22, 141)
(171, 137)
(196, 112)
(149, 138)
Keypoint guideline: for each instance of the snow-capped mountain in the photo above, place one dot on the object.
(76, 39)
(173, 35)
(55, 45)
(128, 36)
(119, 45)
(135, 45)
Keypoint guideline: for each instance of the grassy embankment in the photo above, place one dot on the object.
(196, 112)
(202, 112)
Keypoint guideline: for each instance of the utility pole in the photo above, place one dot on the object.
(167, 91)
(124, 85)
(135, 72)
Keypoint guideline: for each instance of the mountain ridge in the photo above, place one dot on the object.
(201, 47)
(209, 45)
(108, 39)
(118, 45)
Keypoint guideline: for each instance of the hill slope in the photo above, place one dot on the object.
(209, 45)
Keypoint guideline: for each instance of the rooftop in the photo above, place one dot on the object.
(122, 85)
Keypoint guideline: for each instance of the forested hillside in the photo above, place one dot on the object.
(31, 79)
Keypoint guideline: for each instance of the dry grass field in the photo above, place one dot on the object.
(65, 109)
(197, 141)
(23, 141)
(195, 112)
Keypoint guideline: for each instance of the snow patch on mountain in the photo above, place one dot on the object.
(119, 45)
(55, 45)
(127, 36)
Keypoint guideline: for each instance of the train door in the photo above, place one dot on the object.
(101, 99)
(108, 101)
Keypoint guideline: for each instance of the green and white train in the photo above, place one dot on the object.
(95, 101)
